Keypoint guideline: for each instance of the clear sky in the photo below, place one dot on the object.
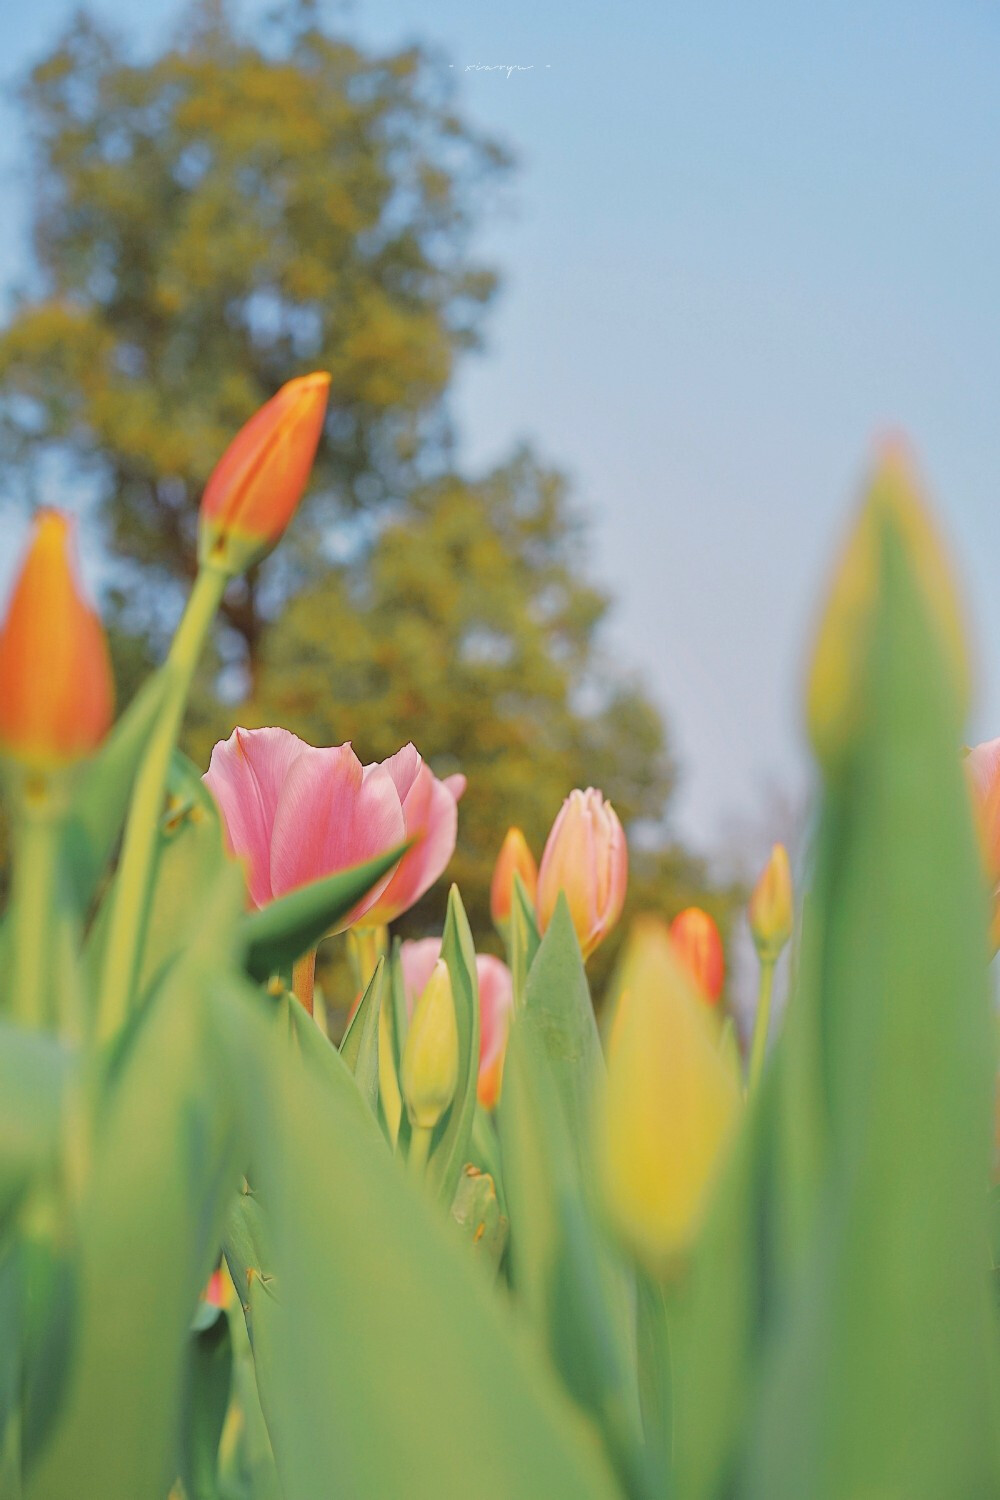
(742, 241)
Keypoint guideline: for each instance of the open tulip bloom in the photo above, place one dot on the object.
(644, 1268)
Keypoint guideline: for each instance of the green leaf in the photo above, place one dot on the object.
(558, 1013)
(166, 1150)
(102, 799)
(206, 1400)
(570, 1279)
(523, 938)
(359, 1047)
(274, 937)
(389, 1301)
(883, 1355)
(35, 1070)
(450, 1150)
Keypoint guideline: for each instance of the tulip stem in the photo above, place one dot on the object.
(758, 1050)
(138, 857)
(420, 1149)
(33, 895)
(304, 979)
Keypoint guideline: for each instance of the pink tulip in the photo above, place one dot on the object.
(587, 858)
(982, 766)
(496, 997)
(294, 813)
(430, 810)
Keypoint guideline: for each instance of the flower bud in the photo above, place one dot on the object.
(771, 907)
(56, 688)
(430, 1056)
(255, 487)
(893, 508)
(515, 858)
(671, 1101)
(698, 947)
(585, 857)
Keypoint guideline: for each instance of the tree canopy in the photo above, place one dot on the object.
(235, 209)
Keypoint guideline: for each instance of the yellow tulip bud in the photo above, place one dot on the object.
(430, 1056)
(771, 907)
(671, 1101)
(893, 505)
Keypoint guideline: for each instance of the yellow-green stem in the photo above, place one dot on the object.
(369, 944)
(304, 979)
(135, 867)
(420, 1148)
(33, 901)
(758, 1050)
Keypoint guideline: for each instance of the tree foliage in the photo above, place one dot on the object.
(213, 220)
(228, 212)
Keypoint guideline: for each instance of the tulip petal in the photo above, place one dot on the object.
(330, 816)
(432, 817)
(418, 958)
(245, 776)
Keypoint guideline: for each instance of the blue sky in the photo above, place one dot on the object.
(742, 242)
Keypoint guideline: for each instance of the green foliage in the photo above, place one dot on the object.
(244, 205)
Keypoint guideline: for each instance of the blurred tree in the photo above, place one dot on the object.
(210, 222)
(234, 210)
(466, 626)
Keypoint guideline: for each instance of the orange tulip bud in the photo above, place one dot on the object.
(771, 906)
(257, 483)
(515, 858)
(56, 688)
(696, 942)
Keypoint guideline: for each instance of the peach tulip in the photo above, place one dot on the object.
(430, 813)
(496, 999)
(696, 942)
(294, 813)
(56, 689)
(255, 487)
(587, 858)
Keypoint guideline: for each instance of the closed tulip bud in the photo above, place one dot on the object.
(430, 1056)
(255, 487)
(771, 907)
(893, 508)
(671, 1101)
(515, 858)
(586, 858)
(698, 947)
(56, 688)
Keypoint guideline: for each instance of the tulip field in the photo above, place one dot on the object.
(507, 1238)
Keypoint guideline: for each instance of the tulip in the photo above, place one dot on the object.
(496, 998)
(430, 812)
(429, 1066)
(515, 858)
(56, 688)
(585, 857)
(255, 487)
(893, 508)
(294, 813)
(671, 1101)
(982, 766)
(770, 911)
(698, 946)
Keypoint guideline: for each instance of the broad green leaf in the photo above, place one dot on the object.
(881, 1351)
(450, 1150)
(206, 1400)
(377, 1295)
(276, 935)
(564, 1270)
(35, 1072)
(166, 1150)
(558, 1013)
